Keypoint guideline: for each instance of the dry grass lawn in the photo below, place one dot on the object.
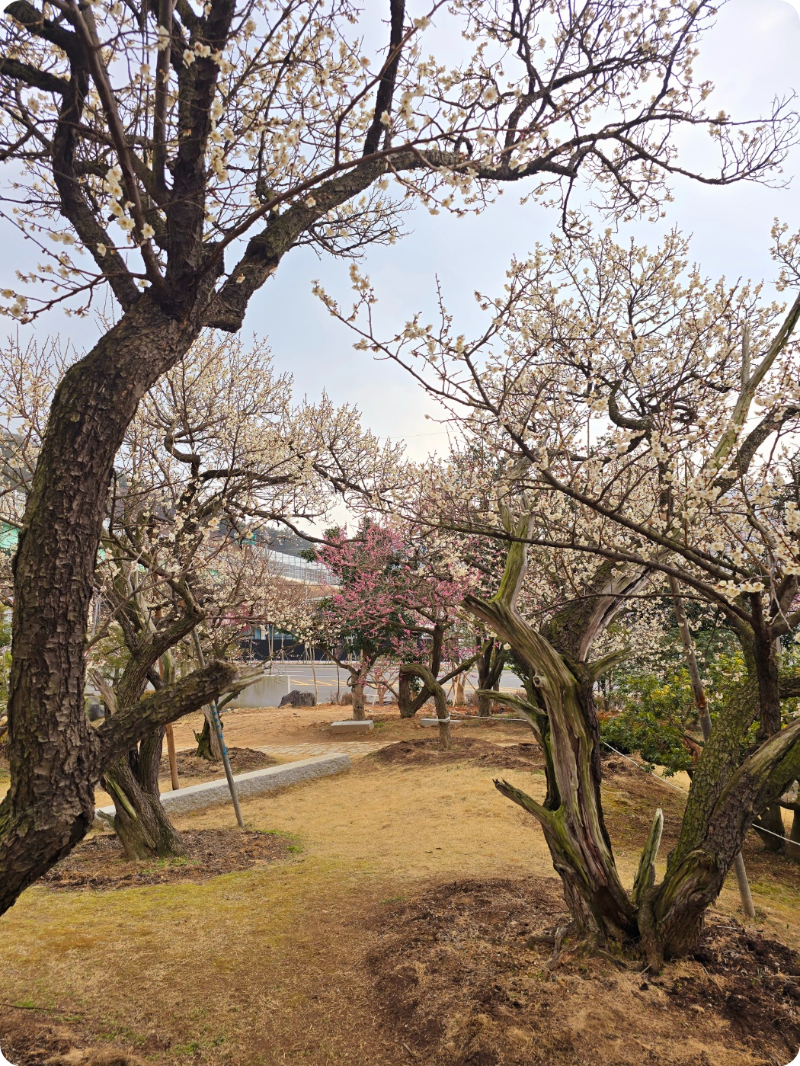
(267, 966)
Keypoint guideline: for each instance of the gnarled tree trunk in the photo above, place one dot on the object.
(440, 699)
(405, 695)
(56, 756)
(207, 740)
(725, 794)
(140, 822)
(490, 668)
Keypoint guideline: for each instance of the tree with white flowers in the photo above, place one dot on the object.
(170, 155)
(646, 421)
(216, 452)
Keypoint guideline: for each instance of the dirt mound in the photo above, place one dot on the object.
(426, 751)
(29, 1040)
(462, 976)
(191, 768)
(100, 862)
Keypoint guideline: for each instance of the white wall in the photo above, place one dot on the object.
(264, 693)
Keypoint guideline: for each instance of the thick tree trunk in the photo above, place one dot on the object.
(726, 793)
(490, 667)
(52, 748)
(207, 740)
(405, 698)
(572, 819)
(697, 867)
(140, 822)
(573, 822)
(358, 702)
(704, 718)
(770, 820)
(440, 699)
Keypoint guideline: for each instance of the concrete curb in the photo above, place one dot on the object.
(197, 797)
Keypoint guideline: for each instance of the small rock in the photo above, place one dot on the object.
(296, 698)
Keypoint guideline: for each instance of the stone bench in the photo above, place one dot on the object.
(211, 793)
(352, 726)
(428, 722)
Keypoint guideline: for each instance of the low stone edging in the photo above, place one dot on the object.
(209, 793)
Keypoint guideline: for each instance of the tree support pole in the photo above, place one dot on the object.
(173, 762)
(701, 703)
(226, 762)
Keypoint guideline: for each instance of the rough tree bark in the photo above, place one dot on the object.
(405, 695)
(53, 752)
(440, 699)
(357, 689)
(491, 661)
(140, 821)
(207, 740)
(36, 834)
(726, 793)
(704, 718)
(572, 820)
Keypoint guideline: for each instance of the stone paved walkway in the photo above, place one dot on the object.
(305, 751)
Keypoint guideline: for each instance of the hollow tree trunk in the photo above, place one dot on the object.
(52, 752)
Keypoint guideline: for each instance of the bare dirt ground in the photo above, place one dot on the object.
(395, 930)
(253, 727)
(100, 863)
(192, 770)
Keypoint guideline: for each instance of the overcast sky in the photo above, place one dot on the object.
(752, 55)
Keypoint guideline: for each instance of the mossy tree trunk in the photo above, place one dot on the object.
(725, 795)
(207, 740)
(140, 821)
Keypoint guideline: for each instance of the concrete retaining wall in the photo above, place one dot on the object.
(267, 692)
(210, 793)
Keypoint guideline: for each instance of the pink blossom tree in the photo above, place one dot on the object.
(398, 597)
